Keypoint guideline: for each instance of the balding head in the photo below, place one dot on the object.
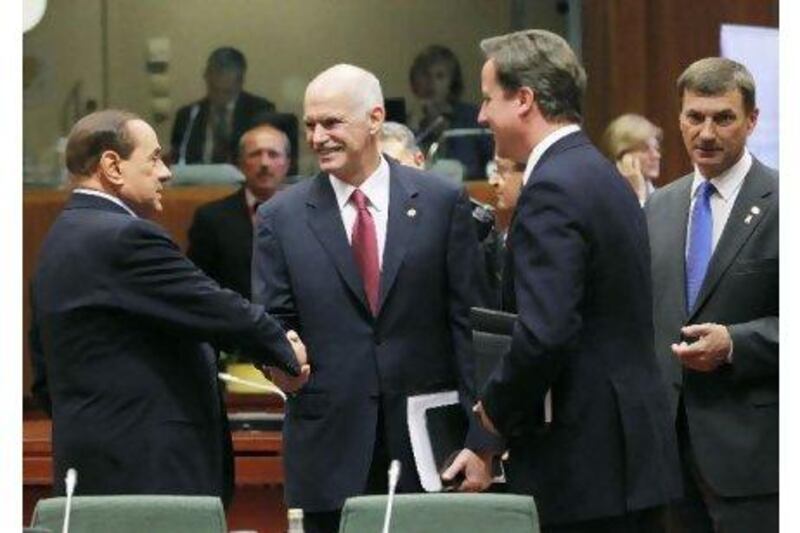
(361, 85)
(343, 113)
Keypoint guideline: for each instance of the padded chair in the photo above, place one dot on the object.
(133, 514)
(435, 513)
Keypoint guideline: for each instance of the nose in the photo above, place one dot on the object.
(318, 135)
(707, 131)
(165, 174)
(482, 116)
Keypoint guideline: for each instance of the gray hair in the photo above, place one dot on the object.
(714, 76)
(399, 133)
(543, 62)
(362, 85)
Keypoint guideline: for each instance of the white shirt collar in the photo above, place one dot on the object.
(544, 144)
(375, 188)
(727, 183)
(101, 194)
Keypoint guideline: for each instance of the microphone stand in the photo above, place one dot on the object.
(394, 476)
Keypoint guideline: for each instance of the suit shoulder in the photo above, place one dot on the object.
(218, 206)
(429, 182)
(257, 102)
(291, 197)
(671, 191)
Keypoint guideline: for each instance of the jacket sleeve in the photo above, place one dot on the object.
(463, 260)
(755, 348)
(550, 255)
(203, 249)
(158, 283)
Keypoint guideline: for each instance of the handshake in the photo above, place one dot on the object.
(284, 381)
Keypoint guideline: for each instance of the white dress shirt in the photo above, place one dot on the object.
(543, 145)
(101, 194)
(728, 184)
(376, 189)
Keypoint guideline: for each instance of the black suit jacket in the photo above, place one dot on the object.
(120, 321)
(221, 241)
(579, 251)
(420, 342)
(248, 107)
(732, 412)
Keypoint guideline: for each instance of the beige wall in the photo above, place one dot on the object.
(286, 42)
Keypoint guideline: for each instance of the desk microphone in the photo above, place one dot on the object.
(394, 477)
(71, 480)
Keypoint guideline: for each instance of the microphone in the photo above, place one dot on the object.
(71, 480)
(394, 477)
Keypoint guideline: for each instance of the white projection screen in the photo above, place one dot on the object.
(756, 47)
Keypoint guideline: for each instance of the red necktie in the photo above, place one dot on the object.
(364, 243)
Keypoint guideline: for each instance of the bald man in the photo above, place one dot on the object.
(374, 262)
(221, 234)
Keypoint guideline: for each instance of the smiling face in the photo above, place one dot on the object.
(715, 129)
(143, 174)
(341, 132)
(500, 112)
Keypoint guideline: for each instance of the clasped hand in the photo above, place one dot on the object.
(709, 351)
(284, 381)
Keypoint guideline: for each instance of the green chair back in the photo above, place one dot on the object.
(437, 513)
(133, 514)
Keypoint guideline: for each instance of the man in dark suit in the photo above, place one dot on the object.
(120, 318)
(599, 453)
(374, 263)
(221, 234)
(714, 238)
(208, 130)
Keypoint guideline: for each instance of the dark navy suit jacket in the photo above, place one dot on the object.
(420, 341)
(581, 273)
(120, 321)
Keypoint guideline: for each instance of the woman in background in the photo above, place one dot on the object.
(634, 144)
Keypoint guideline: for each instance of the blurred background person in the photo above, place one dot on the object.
(436, 80)
(208, 130)
(634, 144)
(221, 234)
(505, 177)
(397, 141)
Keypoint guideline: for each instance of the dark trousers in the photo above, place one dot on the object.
(703, 511)
(650, 520)
(377, 483)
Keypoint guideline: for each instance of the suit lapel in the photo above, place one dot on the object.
(325, 221)
(676, 237)
(754, 196)
(402, 220)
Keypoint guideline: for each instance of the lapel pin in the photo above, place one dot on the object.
(755, 210)
(411, 212)
(748, 219)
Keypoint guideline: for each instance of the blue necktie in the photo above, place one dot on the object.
(700, 243)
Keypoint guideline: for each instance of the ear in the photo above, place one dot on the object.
(526, 99)
(376, 117)
(752, 120)
(419, 159)
(110, 167)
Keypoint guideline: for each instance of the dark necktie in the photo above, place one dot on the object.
(364, 243)
(700, 243)
(220, 135)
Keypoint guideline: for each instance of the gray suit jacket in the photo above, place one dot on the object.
(732, 412)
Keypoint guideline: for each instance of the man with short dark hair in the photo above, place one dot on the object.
(208, 130)
(597, 451)
(120, 319)
(221, 234)
(714, 241)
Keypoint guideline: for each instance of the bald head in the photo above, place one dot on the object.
(362, 86)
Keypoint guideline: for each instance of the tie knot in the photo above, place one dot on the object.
(706, 189)
(359, 198)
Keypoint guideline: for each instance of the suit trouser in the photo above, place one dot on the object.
(377, 483)
(703, 511)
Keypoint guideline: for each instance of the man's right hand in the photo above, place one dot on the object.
(284, 381)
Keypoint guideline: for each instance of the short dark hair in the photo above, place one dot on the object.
(226, 58)
(714, 76)
(96, 133)
(543, 62)
(430, 56)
